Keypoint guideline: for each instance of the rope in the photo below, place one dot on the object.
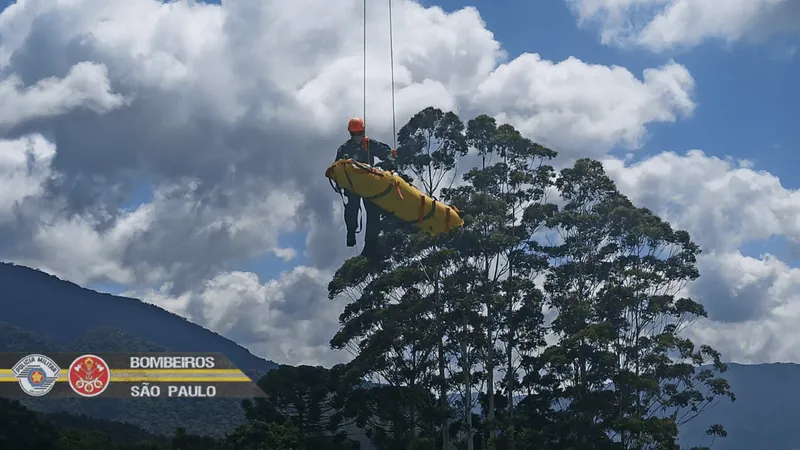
(364, 115)
(391, 64)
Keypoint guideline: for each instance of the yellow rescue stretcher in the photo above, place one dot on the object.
(392, 193)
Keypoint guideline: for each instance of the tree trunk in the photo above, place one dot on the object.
(412, 411)
(466, 367)
(510, 362)
(444, 401)
(489, 373)
(489, 350)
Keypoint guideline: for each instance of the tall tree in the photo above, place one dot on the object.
(390, 330)
(487, 212)
(395, 325)
(510, 179)
(461, 290)
(430, 145)
(446, 314)
(304, 403)
(627, 377)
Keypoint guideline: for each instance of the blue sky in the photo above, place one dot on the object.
(747, 99)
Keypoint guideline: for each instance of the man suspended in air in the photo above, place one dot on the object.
(363, 149)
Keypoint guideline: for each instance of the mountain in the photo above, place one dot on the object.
(60, 311)
(41, 313)
(764, 415)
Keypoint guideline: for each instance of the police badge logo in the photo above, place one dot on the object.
(36, 374)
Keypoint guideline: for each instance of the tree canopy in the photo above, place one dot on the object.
(553, 318)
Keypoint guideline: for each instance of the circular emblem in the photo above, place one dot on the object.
(89, 375)
(36, 374)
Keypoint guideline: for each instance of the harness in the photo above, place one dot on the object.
(338, 189)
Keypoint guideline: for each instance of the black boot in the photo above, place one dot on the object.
(351, 239)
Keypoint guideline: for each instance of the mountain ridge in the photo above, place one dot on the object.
(89, 309)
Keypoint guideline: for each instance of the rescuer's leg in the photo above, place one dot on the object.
(351, 209)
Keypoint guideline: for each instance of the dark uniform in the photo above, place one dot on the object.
(364, 149)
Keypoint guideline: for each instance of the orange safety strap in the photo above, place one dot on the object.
(422, 215)
(365, 146)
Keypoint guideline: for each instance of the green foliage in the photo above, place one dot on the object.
(257, 435)
(446, 315)
(304, 409)
(626, 377)
(14, 339)
(20, 428)
(429, 145)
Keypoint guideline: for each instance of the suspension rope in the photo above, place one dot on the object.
(364, 115)
(391, 64)
(391, 67)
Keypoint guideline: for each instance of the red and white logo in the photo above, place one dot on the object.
(89, 375)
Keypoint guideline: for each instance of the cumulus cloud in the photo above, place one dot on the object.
(176, 236)
(86, 85)
(230, 113)
(724, 203)
(584, 109)
(663, 24)
(757, 309)
(285, 319)
(752, 300)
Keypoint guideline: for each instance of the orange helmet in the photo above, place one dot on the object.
(356, 125)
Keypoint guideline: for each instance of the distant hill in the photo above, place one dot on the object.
(60, 311)
(41, 313)
(765, 413)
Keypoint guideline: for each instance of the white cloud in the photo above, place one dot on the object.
(584, 109)
(85, 86)
(768, 292)
(175, 236)
(288, 319)
(753, 301)
(723, 203)
(24, 167)
(231, 112)
(663, 24)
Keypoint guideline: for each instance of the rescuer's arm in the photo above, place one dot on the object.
(384, 152)
(341, 152)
